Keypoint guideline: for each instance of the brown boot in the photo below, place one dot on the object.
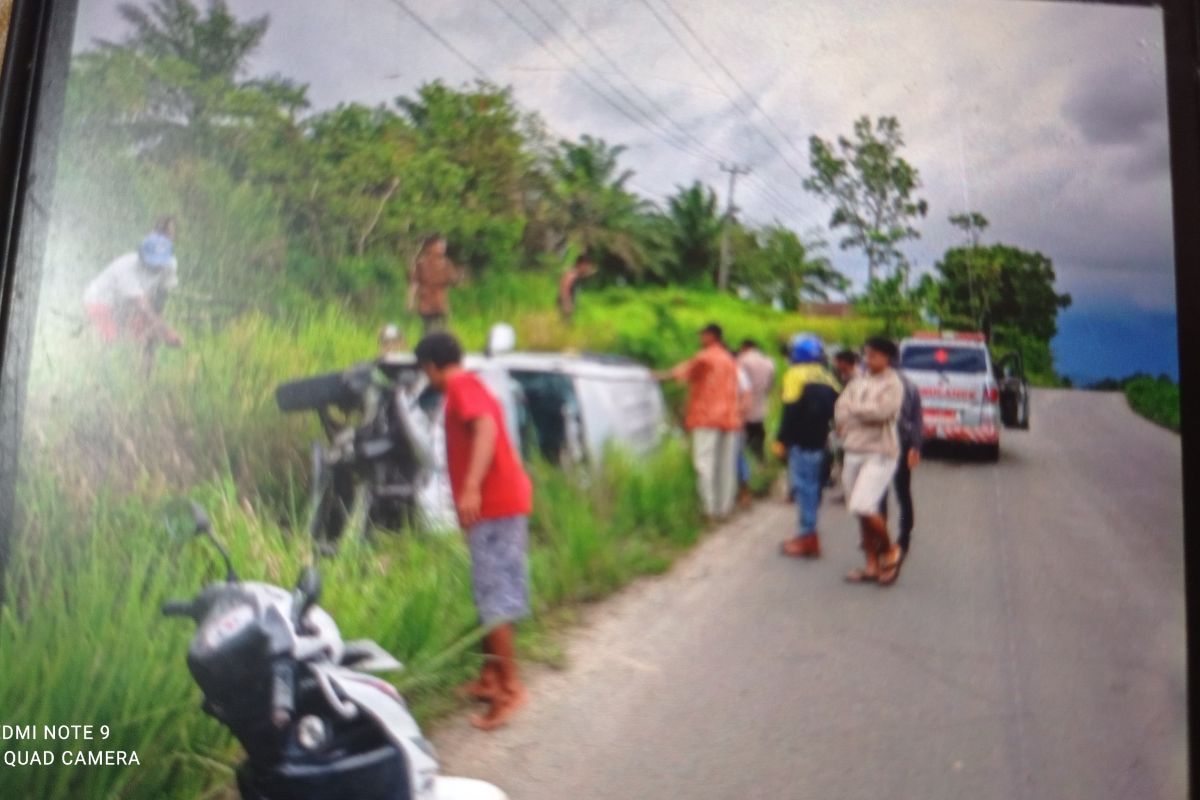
(812, 544)
(793, 547)
(870, 548)
(803, 546)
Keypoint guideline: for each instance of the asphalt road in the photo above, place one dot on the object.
(1033, 647)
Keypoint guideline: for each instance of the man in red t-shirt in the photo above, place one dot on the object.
(494, 498)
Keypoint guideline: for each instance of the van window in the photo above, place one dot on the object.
(550, 400)
(943, 359)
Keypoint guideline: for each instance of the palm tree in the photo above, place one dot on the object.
(790, 270)
(183, 73)
(595, 212)
(216, 44)
(695, 234)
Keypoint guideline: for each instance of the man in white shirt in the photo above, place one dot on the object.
(761, 371)
(127, 297)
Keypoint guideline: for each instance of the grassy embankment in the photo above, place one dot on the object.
(1156, 399)
(81, 640)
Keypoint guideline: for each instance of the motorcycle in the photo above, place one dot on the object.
(369, 473)
(314, 723)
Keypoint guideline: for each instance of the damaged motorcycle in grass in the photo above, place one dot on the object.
(315, 724)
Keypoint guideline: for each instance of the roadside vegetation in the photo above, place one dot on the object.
(107, 451)
(295, 231)
(1155, 398)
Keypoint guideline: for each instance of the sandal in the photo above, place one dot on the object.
(891, 574)
(860, 575)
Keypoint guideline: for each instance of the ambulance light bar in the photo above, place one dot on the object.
(957, 336)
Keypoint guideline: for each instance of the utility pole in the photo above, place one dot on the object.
(723, 275)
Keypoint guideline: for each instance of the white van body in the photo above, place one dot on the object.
(605, 401)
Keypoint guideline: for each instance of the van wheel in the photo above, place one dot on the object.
(990, 452)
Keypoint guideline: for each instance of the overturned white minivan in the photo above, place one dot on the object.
(384, 464)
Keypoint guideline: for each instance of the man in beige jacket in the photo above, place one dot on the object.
(865, 417)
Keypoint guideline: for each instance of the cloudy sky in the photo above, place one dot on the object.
(1050, 118)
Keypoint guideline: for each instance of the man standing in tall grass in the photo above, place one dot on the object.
(494, 498)
(713, 419)
(429, 282)
(568, 286)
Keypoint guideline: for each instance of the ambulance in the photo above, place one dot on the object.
(966, 397)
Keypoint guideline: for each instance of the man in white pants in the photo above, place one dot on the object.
(865, 417)
(713, 418)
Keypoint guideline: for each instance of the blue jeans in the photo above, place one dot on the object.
(743, 467)
(804, 472)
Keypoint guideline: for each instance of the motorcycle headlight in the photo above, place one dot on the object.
(311, 733)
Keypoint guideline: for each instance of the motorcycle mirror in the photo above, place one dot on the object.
(200, 519)
(308, 591)
(309, 585)
(192, 518)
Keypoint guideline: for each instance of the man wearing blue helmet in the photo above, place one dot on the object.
(127, 297)
(809, 395)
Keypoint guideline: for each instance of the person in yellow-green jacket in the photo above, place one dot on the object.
(809, 394)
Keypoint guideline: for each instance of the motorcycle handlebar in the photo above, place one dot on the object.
(178, 608)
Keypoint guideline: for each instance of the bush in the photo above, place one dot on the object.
(1156, 399)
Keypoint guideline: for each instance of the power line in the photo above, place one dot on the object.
(770, 142)
(769, 192)
(575, 52)
(582, 78)
(479, 71)
(772, 196)
(783, 135)
(763, 190)
(482, 73)
(675, 142)
(654, 104)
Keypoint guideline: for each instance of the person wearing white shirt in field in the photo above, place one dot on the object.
(126, 299)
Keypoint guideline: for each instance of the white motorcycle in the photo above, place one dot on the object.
(274, 669)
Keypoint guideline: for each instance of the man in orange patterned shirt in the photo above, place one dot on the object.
(713, 419)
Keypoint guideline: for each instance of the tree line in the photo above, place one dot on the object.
(356, 186)
(294, 202)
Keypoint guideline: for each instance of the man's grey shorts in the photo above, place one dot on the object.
(500, 569)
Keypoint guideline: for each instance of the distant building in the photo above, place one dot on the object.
(827, 309)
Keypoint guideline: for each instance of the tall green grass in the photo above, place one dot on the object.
(209, 408)
(81, 639)
(80, 636)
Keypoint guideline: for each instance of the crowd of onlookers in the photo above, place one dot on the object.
(854, 417)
